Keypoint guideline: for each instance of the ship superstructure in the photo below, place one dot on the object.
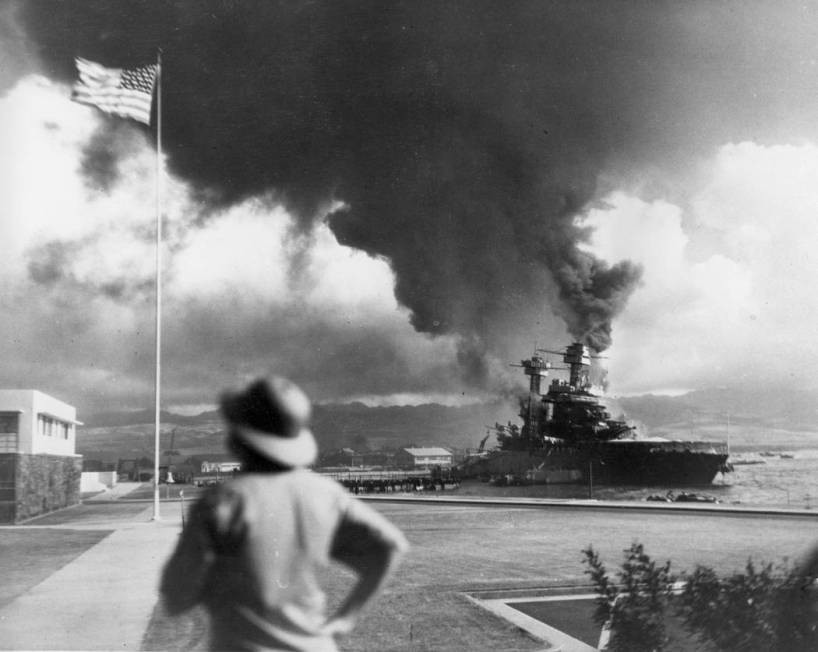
(568, 427)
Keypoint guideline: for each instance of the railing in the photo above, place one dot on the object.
(361, 481)
(377, 475)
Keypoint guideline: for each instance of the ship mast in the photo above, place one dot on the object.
(578, 358)
(536, 368)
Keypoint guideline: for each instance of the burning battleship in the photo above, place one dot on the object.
(569, 436)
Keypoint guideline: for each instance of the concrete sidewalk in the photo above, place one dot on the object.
(102, 600)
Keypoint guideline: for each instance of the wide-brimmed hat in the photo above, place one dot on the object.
(271, 417)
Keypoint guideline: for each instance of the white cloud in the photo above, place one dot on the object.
(46, 199)
(348, 277)
(744, 310)
(240, 252)
(42, 131)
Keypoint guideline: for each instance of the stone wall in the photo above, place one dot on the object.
(31, 485)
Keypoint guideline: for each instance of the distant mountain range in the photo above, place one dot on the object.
(791, 409)
(335, 426)
(749, 418)
(117, 419)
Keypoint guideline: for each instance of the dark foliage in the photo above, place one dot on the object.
(757, 610)
(762, 609)
(636, 606)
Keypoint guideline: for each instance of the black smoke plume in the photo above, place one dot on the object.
(462, 137)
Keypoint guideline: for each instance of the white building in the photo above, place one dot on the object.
(34, 423)
(423, 458)
(39, 468)
(220, 467)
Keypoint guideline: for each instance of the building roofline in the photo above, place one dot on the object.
(59, 418)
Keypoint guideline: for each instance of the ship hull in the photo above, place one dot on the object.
(635, 462)
(619, 462)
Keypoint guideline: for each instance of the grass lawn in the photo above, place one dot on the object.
(186, 632)
(28, 556)
(92, 514)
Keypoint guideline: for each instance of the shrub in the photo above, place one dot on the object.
(635, 608)
(738, 612)
(759, 610)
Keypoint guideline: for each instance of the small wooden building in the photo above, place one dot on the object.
(423, 458)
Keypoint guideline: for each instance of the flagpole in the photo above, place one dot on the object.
(158, 378)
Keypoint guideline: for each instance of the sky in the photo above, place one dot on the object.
(393, 201)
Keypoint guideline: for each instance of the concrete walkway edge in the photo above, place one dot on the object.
(575, 503)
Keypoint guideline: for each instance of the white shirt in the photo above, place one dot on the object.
(254, 550)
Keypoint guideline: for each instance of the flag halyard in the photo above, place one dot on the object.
(127, 93)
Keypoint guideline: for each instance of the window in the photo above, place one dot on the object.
(9, 425)
(51, 427)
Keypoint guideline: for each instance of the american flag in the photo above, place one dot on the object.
(126, 93)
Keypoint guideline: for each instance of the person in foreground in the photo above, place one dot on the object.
(254, 547)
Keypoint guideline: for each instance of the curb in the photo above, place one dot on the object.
(668, 508)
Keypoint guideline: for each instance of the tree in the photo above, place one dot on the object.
(635, 608)
(762, 609)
